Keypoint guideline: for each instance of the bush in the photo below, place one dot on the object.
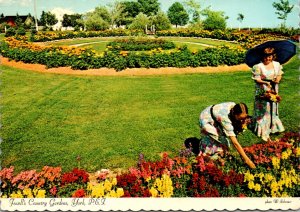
(10, 32)
(20, 31)
(140, 44)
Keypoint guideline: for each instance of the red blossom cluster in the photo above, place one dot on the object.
(263, 153)
(80, 193)
(208, 177)
(75, 176)
(133, 186)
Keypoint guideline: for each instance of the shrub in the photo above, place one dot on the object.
(10, 32)
(20, 31)
(140, 44)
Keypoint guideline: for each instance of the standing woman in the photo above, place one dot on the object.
(267, 76)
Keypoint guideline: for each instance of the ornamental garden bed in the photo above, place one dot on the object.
(81, 58)
(276, 175)
(124, 53)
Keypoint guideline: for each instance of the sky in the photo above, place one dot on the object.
(257, 13)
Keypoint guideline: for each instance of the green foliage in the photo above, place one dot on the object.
(20, 31)
(10, 32)
(177, 14)
(161, 21)
(71, 20)
(214, 20)
(194, 11)
(283, 9)
(149, 7)
(139, 22)
(48, 19)
(99, 19)
(131, 10)
(139, 44)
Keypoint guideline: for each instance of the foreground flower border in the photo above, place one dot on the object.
(276, 175)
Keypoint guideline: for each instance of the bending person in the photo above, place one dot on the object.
(220, 124)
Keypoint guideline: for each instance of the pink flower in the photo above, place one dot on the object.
(53, 190)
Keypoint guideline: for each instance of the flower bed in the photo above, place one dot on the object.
(140, 44)
(58, 35)
(80, 58)
(276, 175)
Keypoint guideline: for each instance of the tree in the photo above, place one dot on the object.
(48, 19)
(240, 18)
(116, 11)
(140, 22)
(177, 14)
(161, 21)
(71, 20)
(18, 21)
(99, 19)
(149, 7)
(283, 9)
(131, 10)
(214, 20)
(194, 9)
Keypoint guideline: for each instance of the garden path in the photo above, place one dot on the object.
(126, 72)
(195, 43)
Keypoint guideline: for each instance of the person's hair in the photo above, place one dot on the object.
(239, 108)
(269, 51)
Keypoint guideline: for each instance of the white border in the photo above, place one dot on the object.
(137, 204)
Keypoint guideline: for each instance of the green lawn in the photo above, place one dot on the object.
(99, 44)
(50, 119)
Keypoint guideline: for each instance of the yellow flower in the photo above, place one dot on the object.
(114, 181)
(27, 192)
(153, 192)
(16, 195)
(276, 162)
(41, 194)
(248, 176)
(274, 186)
(107, 185)
(284, 194)
(257, 187)
(162, 187)
(286, 154)
(251, 185)
(298, 151)
(261, 176)
(120, 192)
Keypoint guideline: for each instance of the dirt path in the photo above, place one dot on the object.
(88, 43)
(126, 72)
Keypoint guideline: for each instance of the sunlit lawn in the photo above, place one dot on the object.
(99, 44)
(50, 119)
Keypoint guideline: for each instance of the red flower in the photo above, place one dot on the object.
(76, 176)
(79, 193)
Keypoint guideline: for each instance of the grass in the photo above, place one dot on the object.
(99, 44)
(50, 119)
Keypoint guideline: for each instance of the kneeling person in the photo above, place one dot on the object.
(220, 124)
